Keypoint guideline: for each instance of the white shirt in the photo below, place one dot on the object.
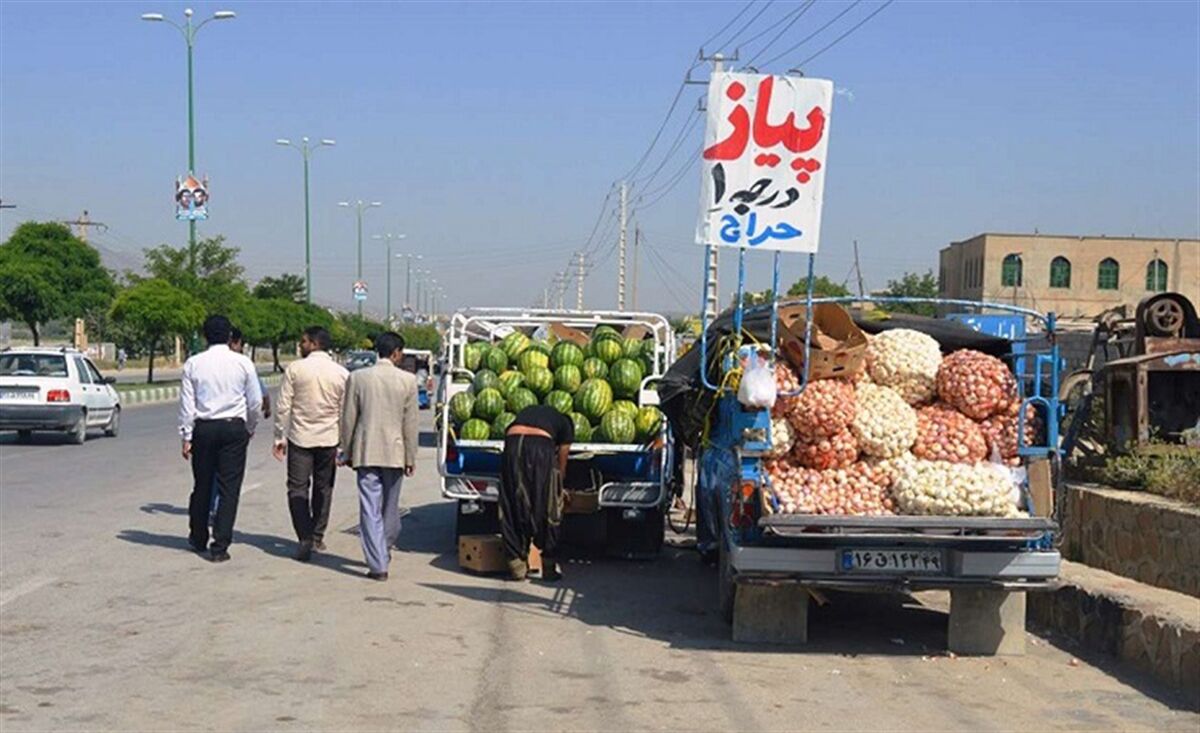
(218, 384)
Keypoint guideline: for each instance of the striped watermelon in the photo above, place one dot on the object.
(489, 404)
(473, 355)
(541, 346)
(561, 401)
(568, 377)
(484, 378)
(632, 348)
(461, 406)
(520, 399)
(617, 427)
(500, 425)
(605, 331)
(648, 422)
(566, 353)
(513, 344)
(509, 381)
(625, 376)
(594, 398)
(475, 429)
(531, 358)
(626, 407)
(540, 380)
(496, 360)
(608, 350)
(583, 428)
(594, 368)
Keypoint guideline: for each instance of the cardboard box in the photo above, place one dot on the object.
(581, 502)
(566, 333)
(635, 331)
(482, 553)
(838, 346)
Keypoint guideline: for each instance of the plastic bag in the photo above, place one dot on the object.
(758, 383)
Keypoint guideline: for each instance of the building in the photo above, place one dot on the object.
(1075, 277)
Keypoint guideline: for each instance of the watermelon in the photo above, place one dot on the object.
(608, 350)
(617, 427)
(594, 398)
(520, 399)
(566, 353)
(541, 346)
(594, 368)
(583, 428)
(531, 358)
(475, 429)
(500, 425)
(631, 348)
(568, 377)
(625, 376)
(461, 406)
(561, 401)
(509, 381)
(513, 344)
(604, 331)
(496, 360)
(648, 347)
(473, 355)
(489, 404)
(648, 423)
(484, 378)
(626, 407)
(540, 380)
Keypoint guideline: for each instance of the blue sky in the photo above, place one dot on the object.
(492, 131)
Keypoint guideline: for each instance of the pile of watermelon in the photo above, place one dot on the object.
(596, 386)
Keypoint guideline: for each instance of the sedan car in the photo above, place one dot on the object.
(55, 390)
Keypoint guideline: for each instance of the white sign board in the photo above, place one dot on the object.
(764, 162)
(360, 290)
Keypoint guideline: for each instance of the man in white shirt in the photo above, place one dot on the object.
(219, 403)
(306, 432)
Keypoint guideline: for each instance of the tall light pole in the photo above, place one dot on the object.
(189, 32)
(388, 237)
(359, 206)
(306, 150)
(408, 283)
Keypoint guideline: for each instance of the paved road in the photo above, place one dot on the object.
(108, 622)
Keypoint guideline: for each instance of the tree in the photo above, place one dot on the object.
(823, 287)
(286, 286)
(47, 273)
(759, 298)
(421, 337)
(912, 285)
(154, 310)
(217, 281)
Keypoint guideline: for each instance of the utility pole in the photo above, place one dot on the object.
(637, 240)
(621, 246)
(82, 224)
(857, 271)
(712, 295)
(579, 281)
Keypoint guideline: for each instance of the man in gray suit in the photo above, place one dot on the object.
(379, 440)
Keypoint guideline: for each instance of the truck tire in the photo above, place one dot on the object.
(726, 585)
(78, 433)
(634, 539)
(486, 521)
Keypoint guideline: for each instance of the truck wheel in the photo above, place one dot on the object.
(726, 586)
(486, 521)
(114, 424)
(78, 433)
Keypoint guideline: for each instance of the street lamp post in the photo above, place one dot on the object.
(359, 206)
(306, 150)
(388, 237)
(408, 284)
(189, 32)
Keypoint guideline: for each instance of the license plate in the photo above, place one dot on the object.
(893, 562)
(12, 394)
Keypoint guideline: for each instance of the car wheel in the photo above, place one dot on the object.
(24, 436)
(114, 423)
(79, 432)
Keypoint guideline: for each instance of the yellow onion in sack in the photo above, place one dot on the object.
(976, 384)
(944, 434)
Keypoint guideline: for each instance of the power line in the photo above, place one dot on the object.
(839, 39)
(683, 131)
(771, 26)
(672, 182)
(749, 23)
(798, 13)
(812, 35)
(726, 27)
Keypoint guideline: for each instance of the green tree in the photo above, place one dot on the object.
(759, 298)
(217, 281)
(914, 285)
(286, 286)
(823, 287)
(155, 310)
(47, 273)
(421, 337)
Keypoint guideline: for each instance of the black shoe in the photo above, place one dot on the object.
(197, 548)
(218, 556)
(319, 545)
(304, 552)
(550, 571)
(377, 576)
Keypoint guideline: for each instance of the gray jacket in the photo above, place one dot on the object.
(379, 417)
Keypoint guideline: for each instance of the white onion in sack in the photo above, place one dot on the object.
(905, 360)
(938, 488)
(782, 437)
(884, 423)
(786, 381)
(944, 434)
(824, 409)
(837, 451)
(976, 384)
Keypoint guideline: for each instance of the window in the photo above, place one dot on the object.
(33, 365)
(1108, 276)
(85, 377)
(97, 378)
(1060, 272)
(1156, 275)
(1010, 271)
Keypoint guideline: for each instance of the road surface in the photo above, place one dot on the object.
(108, 622)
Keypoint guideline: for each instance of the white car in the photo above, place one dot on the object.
(55, 389)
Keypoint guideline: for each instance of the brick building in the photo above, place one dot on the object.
(1076, 277)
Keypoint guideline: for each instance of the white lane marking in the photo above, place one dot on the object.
(29, 586)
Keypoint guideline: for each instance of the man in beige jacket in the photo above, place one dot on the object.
(379, 440)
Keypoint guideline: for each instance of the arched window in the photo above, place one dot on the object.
(1156, 276)
(1060, 272)
(1010, 271)
(1108, 276)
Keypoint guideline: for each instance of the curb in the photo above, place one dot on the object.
(159, 395)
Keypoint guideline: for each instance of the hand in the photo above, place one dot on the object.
(279, 450)
(187, 450)
(410, 470)
(343, 459)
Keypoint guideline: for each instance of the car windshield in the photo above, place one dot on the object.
(415, 364)
(356, 361)
(33, 365)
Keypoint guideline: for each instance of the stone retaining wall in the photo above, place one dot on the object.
(1141, 536)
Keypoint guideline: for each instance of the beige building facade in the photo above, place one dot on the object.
(1073, 276)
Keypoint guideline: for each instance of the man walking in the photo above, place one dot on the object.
(306, 432)
(219, 403)
(379, 440)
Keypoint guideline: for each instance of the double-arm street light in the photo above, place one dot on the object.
(306, 148)
(408, 303)
(389, 238)
(189, 31)
(359, 206)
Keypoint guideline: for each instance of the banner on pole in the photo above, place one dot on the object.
(360, 290)
(191, 198)
(764, 162)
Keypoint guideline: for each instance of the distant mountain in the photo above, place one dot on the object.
(118, 261)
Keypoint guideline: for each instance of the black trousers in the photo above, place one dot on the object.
(315, 469)
(218, 450)
(530, 496)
